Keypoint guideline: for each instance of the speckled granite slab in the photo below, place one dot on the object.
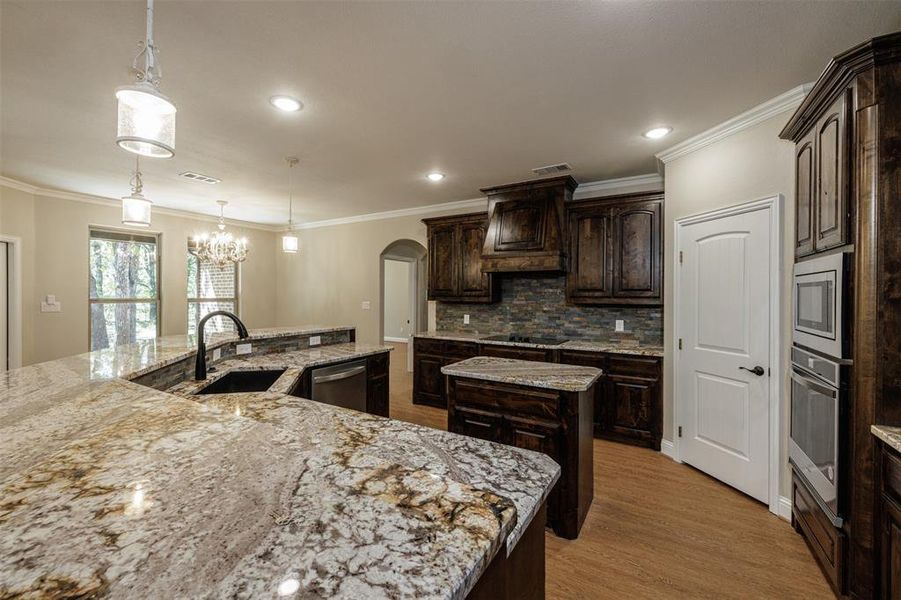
(613, 347)
(565, 378)
(889, 435)
(107, 486)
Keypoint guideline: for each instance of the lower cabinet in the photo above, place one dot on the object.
(377, 385)
(555, 423)
(429, 355)
(517, 352)
(826, 542)
(889, 521)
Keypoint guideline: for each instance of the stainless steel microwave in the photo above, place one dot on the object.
(818, 304)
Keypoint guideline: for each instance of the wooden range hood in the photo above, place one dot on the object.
(526, 226)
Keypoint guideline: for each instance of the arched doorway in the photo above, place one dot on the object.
(403, 292)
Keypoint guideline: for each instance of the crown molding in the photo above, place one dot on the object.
(473, 204)
(788, 101)
(652, 181)
(115, 203)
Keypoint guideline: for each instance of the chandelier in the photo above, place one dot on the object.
(136, 208)
(146, 118)
(289, 240)
(219, 247)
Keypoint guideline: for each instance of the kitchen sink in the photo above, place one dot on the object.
(243, 381)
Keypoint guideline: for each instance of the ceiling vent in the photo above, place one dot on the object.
(553, 169)
(199, 177)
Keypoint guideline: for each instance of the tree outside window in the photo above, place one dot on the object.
(124, 294)
(211, 288)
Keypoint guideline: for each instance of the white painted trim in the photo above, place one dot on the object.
(458, 205)
(591, 189)
(790, 100)
(774, 204)
(785, 508)
(14, 305)
(115, 203)
(667, 448)
(398, 340)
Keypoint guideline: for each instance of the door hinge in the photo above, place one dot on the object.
(680, 343)
(680, 257)
(680, 431)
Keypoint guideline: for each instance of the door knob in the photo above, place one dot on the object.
(758, 370)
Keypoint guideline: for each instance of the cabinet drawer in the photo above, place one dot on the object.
(584, 359)
(825, 541)
(476, 423)
(633, 366)
(427, 346)
(536, 354)
(378, 365)
(891, 475)
(506, 400)
(538, 436)
(460, 350)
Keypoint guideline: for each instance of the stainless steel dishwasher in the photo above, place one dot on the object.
(341, 385)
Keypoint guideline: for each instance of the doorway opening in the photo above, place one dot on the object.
(10, 303)
(403, 293)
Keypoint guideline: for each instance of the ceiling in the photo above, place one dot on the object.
(482, 91)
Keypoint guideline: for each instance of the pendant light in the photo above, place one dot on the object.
(136, 208)
(146, 123)
(290, 243)
(219, 247)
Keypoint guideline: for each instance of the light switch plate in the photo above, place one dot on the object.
(243, 349)
(50, 304)
(315, 340)
(620, 325)
(217, 353)
(365, 305)
(466, 319)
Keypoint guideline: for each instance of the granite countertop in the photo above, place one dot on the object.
(889, 435)
(109, 486)
(554, 376)
(611, 346)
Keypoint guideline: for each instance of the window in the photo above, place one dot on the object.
(124, 294)
(211, 288)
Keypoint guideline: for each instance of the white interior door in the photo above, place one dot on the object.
(4, 307)
(723, 322)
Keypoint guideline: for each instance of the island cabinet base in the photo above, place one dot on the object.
(519, 575)
(557, 423)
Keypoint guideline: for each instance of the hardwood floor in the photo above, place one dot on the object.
(658, 529)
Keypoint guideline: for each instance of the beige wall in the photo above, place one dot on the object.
(749, 165)
(54, 233)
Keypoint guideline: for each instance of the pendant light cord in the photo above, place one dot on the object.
(152, 72)
(291, 160)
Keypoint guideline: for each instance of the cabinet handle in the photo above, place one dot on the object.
(479, 423)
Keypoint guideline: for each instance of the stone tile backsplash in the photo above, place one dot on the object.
(536, 305)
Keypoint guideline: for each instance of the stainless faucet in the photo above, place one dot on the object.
(200, 361)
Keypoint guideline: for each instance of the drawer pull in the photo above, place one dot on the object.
(479, 423)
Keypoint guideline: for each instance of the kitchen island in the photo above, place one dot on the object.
(539, 406)
(108, 486)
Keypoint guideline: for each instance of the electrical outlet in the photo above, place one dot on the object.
(466, 319)
(217, 353)
(620, 325)
(243, 349)
(365, 305)
(315, 340)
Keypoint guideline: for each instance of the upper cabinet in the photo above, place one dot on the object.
(821, 164)
(616, 250)
(455, 259)
(526, 228)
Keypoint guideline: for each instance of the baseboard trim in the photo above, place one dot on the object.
(667, 448)
(785, 508)
(399, 340)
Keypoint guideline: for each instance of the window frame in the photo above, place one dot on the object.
(158, 300)
(236, 299)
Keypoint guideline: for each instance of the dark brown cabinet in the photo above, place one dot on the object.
(526, 230)
(890, 523)
(553, 422)
(822, 219)
(616, 250)
(517, 352)
(429, 355)
(455, 259)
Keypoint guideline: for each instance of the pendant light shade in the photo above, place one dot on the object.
(290, 243)
(146, 118)
(146, 123)
(136, 208)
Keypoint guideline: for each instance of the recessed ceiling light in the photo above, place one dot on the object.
(657, 133)
(435, 176)
(286, 103)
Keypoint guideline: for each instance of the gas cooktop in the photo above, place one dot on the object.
(526, 339)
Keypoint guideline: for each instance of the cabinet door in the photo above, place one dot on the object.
(591, 255)
(428, 381)
(831, 205)
(474, 284)
(377, 396)
(539, 436)
(443, 263)
(891, 550)
(477, 424)
(520, 220)
(627, 410)
(637, 267)
(804, 194)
